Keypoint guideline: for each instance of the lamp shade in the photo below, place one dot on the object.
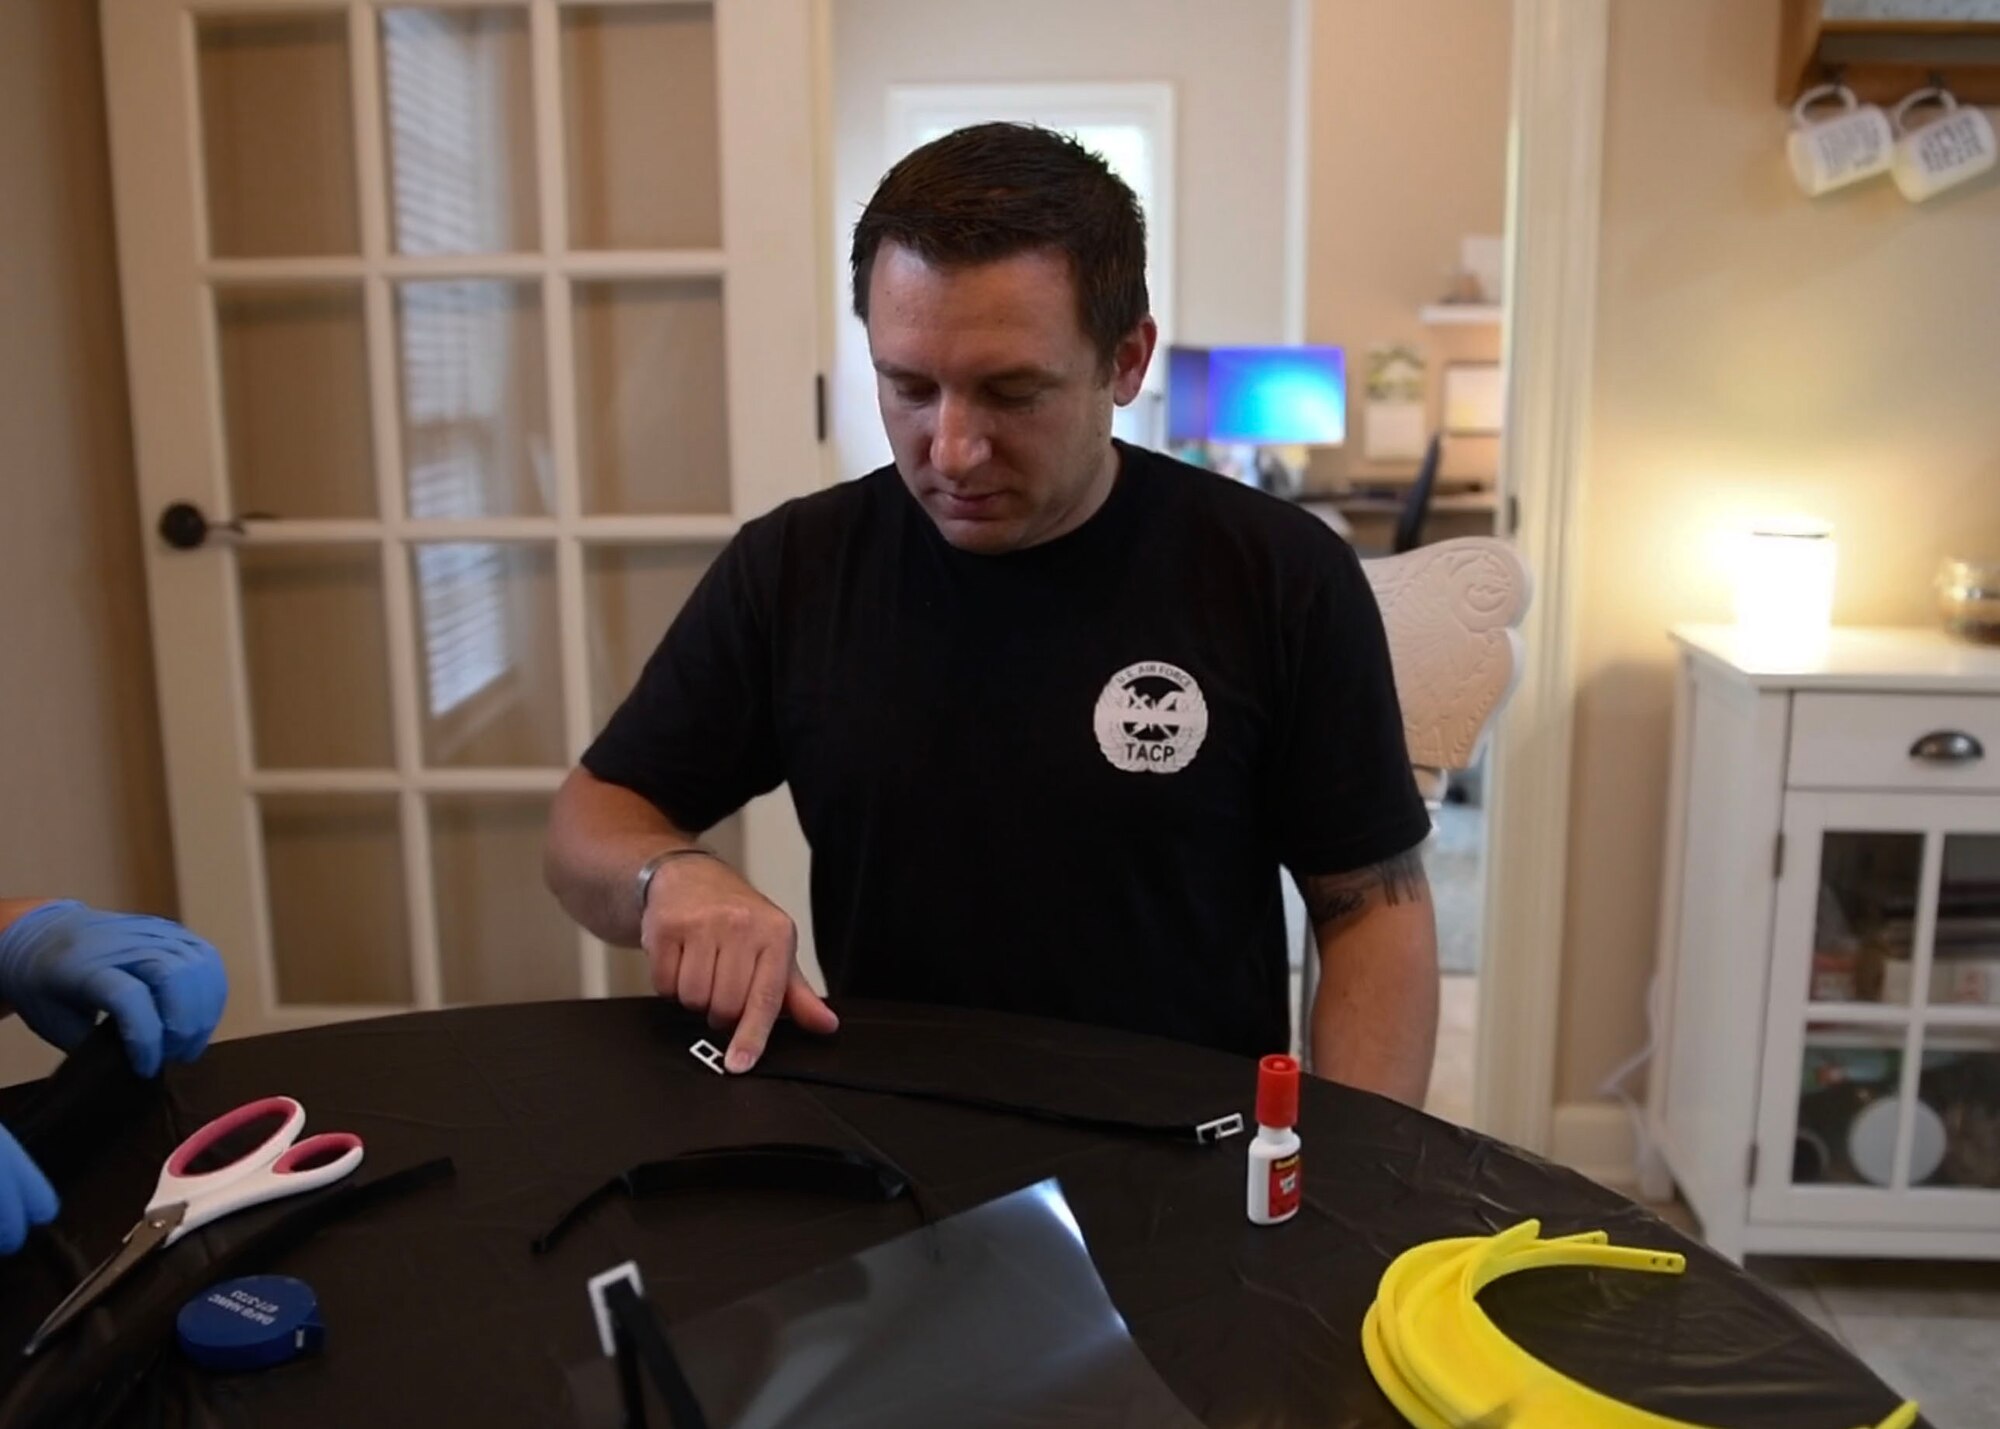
(1784, 581)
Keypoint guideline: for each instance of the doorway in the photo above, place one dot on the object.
(1298, 188)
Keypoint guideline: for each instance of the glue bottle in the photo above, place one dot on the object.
(1275, 1176)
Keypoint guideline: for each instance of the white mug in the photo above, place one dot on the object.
(1828, 154)
(1931, 157)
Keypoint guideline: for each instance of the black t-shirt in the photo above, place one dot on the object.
(1056, 781)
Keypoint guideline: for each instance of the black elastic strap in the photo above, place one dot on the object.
(87, 1103)
(759, 1166)
(636, 1330)
(1205, 1133)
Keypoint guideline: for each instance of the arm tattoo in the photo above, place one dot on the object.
(1337, 897)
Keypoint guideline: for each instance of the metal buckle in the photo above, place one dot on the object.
(1220, 1129)
(710, 1056)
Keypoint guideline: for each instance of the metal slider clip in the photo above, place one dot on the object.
(600, 1311)
(1220, 1129)
(710, 1056)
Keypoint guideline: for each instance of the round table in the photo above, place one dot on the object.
(437, 1312)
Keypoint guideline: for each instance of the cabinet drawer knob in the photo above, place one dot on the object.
(1948, 746)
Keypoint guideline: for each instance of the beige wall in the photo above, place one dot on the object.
(1407, 154)
(82, 804)
(1228, 66)
(1755, 352)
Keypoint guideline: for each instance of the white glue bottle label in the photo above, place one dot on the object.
(1276, 1177)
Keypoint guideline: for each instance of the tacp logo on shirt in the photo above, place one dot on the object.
(1151, 718)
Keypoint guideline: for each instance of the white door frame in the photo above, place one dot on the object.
(1556, 119)
(1556, 124)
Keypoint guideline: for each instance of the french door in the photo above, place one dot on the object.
(461, 337)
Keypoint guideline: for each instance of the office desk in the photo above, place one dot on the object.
(1369, 519)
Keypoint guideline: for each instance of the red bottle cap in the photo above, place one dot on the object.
(1278, 1091)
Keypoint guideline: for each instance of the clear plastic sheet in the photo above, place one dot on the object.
(991, 1319)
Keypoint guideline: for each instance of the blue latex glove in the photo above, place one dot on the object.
(26, 1197)
(63, 963)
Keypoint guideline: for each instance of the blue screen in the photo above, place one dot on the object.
(1276, 395)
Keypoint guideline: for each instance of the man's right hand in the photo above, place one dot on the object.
(719, 946)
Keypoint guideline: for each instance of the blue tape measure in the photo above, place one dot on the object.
(251, 1323)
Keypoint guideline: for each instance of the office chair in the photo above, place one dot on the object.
(1417, 505)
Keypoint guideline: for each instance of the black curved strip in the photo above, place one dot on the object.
(759, 1166)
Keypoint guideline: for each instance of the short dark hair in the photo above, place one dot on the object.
(990, 191)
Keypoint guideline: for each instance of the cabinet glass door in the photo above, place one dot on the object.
(1881, 1098)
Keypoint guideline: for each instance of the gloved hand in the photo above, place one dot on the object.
(26, 1197)
(63, 963)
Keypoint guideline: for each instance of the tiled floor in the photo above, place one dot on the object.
(1930, 1329)
(1451, 1073)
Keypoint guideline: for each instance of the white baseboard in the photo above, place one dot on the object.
(1595, 1138)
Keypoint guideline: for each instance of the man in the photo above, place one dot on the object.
(61, 964)
(1053, 709)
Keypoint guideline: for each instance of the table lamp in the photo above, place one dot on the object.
(1784, 585)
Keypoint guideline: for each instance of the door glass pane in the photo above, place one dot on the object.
(461, 130)
(277, 134)
(639, 122)
(315, 656)
(1849, 1115)
(629, 974)
(651, 396)
(1965, 964)
(333, 870)
(475, 399)
(1867, 917)
(486, 647)
(631, 596)
(501, 935)
(1960, 1086)
(295, 411)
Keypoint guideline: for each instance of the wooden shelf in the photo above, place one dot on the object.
(1882, 60)
(1460, 314)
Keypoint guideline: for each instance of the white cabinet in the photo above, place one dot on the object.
(1828, 1000)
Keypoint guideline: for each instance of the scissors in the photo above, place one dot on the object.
(241, 1159)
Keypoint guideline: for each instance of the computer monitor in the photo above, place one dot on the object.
(1260, 396)
(1187, 394)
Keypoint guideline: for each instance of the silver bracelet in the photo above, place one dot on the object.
(668, 855)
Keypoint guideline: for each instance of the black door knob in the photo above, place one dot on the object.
(182, 526)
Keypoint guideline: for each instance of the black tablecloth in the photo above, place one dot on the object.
(437, 1312)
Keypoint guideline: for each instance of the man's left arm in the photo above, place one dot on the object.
(1374, 1019)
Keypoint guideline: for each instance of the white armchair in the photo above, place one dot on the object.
(1451, 612)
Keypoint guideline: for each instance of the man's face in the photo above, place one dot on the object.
(995, 402)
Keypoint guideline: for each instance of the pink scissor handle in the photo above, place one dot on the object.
(225, 1150)
(314, 1162)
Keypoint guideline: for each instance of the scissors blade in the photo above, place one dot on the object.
(140, 1242)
